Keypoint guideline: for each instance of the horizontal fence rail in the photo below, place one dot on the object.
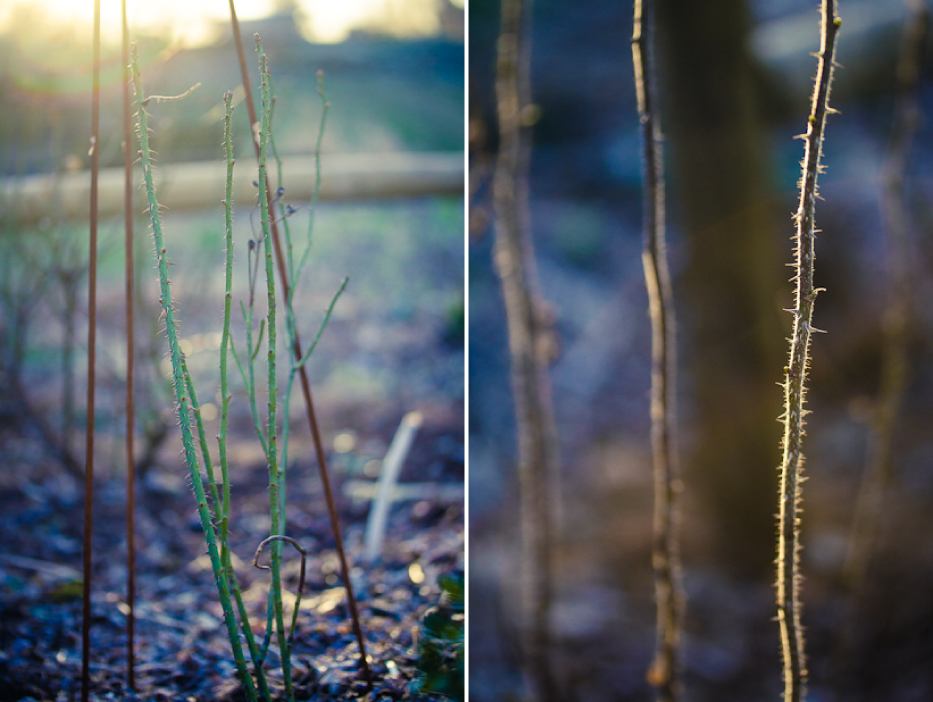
(200, 185)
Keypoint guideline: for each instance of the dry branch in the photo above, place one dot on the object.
(514, 256)
(665, 670)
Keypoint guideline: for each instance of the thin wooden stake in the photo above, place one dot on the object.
(91, 367)
(130, 353)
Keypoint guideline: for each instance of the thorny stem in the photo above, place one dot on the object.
(225, 335)
(275, 505)
(665, 672)
(130, 353)
(225, 344)
(303, 375)
(91, 367)
(219, 516)
(202, 442)
(537, 454)
(180, 393)
(289, 313)
(788, 558)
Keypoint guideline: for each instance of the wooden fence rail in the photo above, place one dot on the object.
(200, 185)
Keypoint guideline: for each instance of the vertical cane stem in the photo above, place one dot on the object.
(788, 559)
(181, 394)
(302, 373)
(665, 670)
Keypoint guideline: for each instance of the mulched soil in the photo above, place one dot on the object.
(181, 648)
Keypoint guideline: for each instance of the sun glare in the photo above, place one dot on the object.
(187, 21)
(195, 22)
(329, 22)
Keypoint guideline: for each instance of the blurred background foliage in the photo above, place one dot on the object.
(396, 82)
(736, 77)
(392, 93)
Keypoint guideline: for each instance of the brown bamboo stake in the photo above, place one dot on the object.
(91, 367)
(130, 353)
(514, 256)
(788, 558)
(665, 672)
(302, 373)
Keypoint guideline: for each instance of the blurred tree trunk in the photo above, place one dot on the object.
(732, 287)
(529, 333)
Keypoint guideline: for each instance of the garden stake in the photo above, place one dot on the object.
(788, 558)
(91, 366)
(184, 419)
(665, 672)
(303, 376)
(527, 329)
(130, 352)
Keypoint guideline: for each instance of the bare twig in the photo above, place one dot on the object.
(91, 366)
(788, 558)
(303, 375)
(665, 671)
(388, 477)
(537, 451)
